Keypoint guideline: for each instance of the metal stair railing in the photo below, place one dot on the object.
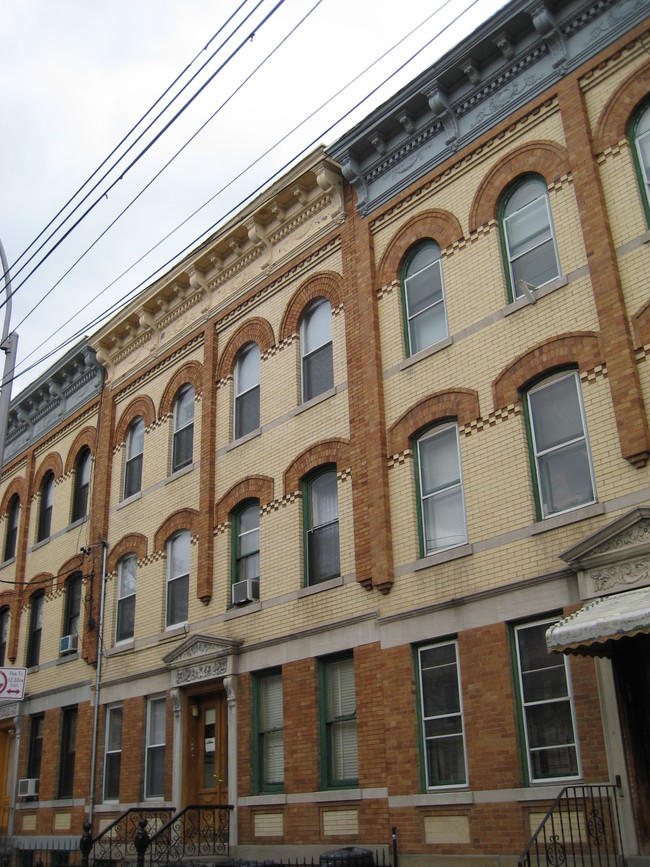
(197, 831)
(116, 841)
(581, 829)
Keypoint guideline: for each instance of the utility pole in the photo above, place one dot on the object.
(9, 345)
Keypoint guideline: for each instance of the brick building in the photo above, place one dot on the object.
(290, 531)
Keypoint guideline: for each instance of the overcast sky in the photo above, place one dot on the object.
(76, 75)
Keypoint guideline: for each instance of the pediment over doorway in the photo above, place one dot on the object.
(202, 657)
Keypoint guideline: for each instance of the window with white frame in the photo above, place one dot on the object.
(81, 485)
(154, 786)
(35, 629)
(339, 722)
(441, 704)
(564, 476)
(529, 235)
(126, 583)
(423, 294)
(641, 137)
(269, 740)
(246, 542)
(45, 509)
(133, 457)
(440, 477)
(72, 605)
(546, 706)
(113, 753)
(11, 537)
(321, 522)
(183, 438)
(247, 390)
(178, 578)
(316, 349)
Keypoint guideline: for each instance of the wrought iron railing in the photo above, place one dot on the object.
(197, 831)
(581, 829)
(116, 841)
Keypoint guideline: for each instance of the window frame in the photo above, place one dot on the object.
(11, 535)
(81, 490)
(511, 190)
(239, 396)
(112, 755)
(308, 356)
(72, 616)
(309, 529)
(534, 387)
(67, 752)
(133, 461)
(236, 556)
(407, 318)
(5, 620)
(330, 723)
(530, 778)
(642, 172)
(182, 576)
(263, 735)
(35, 748)
(36, 604)
(154, 748)
(122, 599)
(180, 430)
(44, 528)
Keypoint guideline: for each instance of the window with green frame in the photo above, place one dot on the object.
(423, 297)
(268, 725)
(321, 525)
(640, 136)
(338, 709)
(245, 561)
(528, 236)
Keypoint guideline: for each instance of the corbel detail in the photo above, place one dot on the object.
(439, 105)
(545, 25)
(352, 173)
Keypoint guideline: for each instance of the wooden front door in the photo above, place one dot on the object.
(207, 749)
(7, 744)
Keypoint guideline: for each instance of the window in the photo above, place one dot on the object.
(641, 151)
(423, 294)
(35, 752)
(269, 739)
(316, 349)
(529, 236)
(321, 521)
(339, 722)
(546, 706)
(35, 629)
(178, 577)
(564, 477)
(246, 542)
(247, 390)
(45, 512)
(72, 605)
(133, 458)
(12, 527)
(182, 447)
(81, 485)
(126, 579)
(155, 751)
(68, 751)
(4, 634)
(440, 477)
(441, 705)
(113, 753)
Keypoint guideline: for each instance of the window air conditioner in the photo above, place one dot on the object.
(28, 788)
(245, 591)
(68, 644)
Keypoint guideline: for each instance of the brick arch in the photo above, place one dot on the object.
(255, 330)
(132, 543)
(615, 117)
(6, 599)
(183, 519)
(581, 348)
(546, 158)
(52, 462)
(251, 488)
(334, 451)
(17, 486)
(441, 226)
(86, 437)
(43, 581)
(190, 373)
(327, 284)
(142, 406)
(458, 403)
(74, 564)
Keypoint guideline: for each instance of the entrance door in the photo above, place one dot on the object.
(207, 742)
(7, 743)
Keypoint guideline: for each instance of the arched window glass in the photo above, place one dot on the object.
(35, 630)
(45, 510)
(4, 634)
(12, 527)
(133, 457)
(246, 529)
(442, 500)
(126, 584)
(72, 612)
(183, 440)
(316, 349)
(529, 236)
(321, 521)
(178, 578)
(81, 484)
(247, 390)
(423, 292)
(641, 136)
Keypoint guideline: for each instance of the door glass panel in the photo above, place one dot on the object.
(209, 746)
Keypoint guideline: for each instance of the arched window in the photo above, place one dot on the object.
(72, 613)
(440, 484)
(641, 136)
(183, 438)
(246, 550)
(316, 349)
(35, 629)
(12, 527)
(528, 235)
(81, 484)
(4, 634)
(423, 295)
(133, 457)
(247, 390)
(178, 578)
(45, 510)
(126, 584)
(321, 523)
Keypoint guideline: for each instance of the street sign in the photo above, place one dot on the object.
(12, 683)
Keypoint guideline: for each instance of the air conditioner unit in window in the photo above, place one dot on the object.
(68, 644)
(245, 591)
(28, 788)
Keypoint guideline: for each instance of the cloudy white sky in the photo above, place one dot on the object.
(77, 75)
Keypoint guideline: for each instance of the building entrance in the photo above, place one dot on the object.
(206, 749)
(7, 744)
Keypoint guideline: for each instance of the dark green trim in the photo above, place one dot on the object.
(514, 663)
(259, 787)
(307, 515)
(418, 491)
(632, 135)
(415, 662)
(326, 774)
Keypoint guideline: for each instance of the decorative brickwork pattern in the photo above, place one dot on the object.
(458, 403)
(252, 487)
(86, 437)
(191, 373)
(52, 462)
(73, 564)
(132, 543)
(183, 519)
(255, 330)
(335, 451)
(44, 581)
(615, 117)
(327, 284)
(142, 406)
(17, 486)
(442, 226)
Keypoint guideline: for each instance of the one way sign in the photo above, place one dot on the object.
(12, 683)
